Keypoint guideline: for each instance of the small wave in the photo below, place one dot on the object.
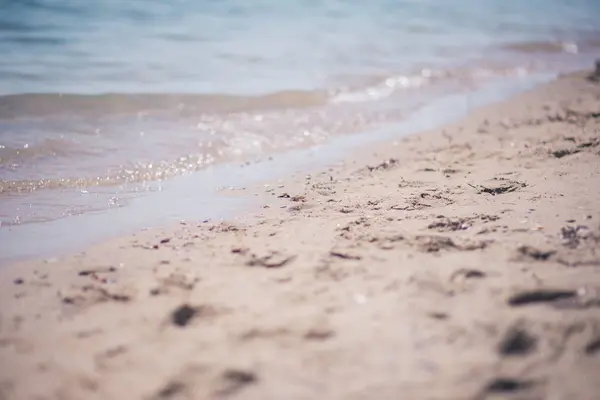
(23, 186)
(139, 173)
(29, 153)
(381, 87)
(373, 88)
(57, 104)
(234, 138)
(545, 47)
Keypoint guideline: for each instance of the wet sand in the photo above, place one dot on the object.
(461, 263)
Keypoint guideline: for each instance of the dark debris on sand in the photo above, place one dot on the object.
(593, 346)
(573, 236)
(507, 385)
(564, 152)
(384, 165)
(170, 390)
(595, 76)
(535, 253)
(233, 380)
(517, 341)
(183, 315)
(540, 296)
(499, 186)
(450, 225)
(271, 260)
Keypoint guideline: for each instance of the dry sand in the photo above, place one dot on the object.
(461, 263)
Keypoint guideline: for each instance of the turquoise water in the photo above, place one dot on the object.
(101, 101)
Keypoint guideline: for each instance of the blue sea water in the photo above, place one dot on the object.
(264, 46)
(109, 97)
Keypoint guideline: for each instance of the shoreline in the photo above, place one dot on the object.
(457, 263)
(175, 199)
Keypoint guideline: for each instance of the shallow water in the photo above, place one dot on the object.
(193, 196)
(100, 102)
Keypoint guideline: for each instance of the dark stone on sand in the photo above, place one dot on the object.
(87, 272)
(438, 315)
(536, 254)
(507, 385)
(474, 273)
(236, 379)
(592, 143)
(170, 390)
(239, 376)
(165, 240)
(183, 315)
(517, 342)
(540, 296)
(593, 347)
(318, 334)
(564, 152)
(467, 273)
(19, 281)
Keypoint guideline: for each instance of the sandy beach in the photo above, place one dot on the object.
(461, 263)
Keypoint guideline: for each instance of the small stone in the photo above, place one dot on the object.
(438, 315)
(517, 341)
(183, 315)
(507, 385)
(318, 334)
